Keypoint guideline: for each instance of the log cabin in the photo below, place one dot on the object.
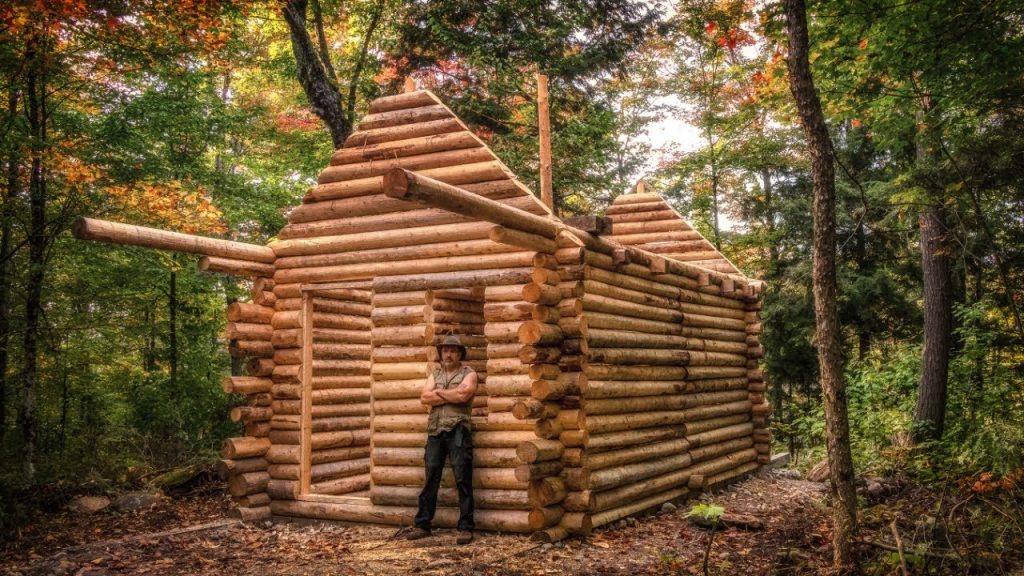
(618, 355)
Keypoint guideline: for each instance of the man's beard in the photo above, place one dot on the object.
(450, 363)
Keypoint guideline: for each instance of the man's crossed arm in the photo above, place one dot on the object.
(431, 396)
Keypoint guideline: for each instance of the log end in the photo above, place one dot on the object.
(80, 229)
(396, 183)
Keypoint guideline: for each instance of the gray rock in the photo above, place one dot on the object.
(89, 504)
(668, 507)
(136, 501)
(787, 473)
(875, 489)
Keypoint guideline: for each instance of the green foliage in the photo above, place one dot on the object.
(709, 512)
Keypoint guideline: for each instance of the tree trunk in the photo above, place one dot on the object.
(844, 504)
(324, 97)
(10, 193)
(172, 325)
(37, 240)
(930, 413)
(149, 353)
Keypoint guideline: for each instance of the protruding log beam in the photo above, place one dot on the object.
(129, 235)
(244, 447)
(403, 184)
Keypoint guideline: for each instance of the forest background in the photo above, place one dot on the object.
(193, 115)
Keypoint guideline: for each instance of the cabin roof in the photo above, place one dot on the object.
(418, 132)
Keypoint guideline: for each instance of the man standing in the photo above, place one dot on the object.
(449, 394)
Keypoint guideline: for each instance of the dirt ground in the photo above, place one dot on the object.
(793, 541)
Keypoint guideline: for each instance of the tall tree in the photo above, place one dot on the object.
(37, 55)
(315, 71)
(929, 82)
(482, 57)
(827, 336)
(937, 280)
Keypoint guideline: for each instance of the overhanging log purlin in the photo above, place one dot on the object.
(131, 235)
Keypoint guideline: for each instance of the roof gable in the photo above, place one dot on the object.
(648, 222)
(414, 131)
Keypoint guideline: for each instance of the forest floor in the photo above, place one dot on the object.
(794, 540)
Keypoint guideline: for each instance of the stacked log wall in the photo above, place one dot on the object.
(243, 461)
(668, 398)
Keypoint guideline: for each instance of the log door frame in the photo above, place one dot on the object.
(308, 292)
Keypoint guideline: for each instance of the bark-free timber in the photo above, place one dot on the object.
(400, 183)
(129, 235)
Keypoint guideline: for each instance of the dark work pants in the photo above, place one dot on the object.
(457, 446)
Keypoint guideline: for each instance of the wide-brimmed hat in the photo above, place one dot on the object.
(453, 341)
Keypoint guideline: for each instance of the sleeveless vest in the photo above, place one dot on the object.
(447, 416)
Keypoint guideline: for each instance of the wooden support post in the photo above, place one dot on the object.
(544, 121)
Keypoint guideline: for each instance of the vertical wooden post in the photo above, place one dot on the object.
(544, 121)
(410, 85)
(640, 187)
(306, 440)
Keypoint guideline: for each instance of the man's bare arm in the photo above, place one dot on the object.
(461, 393)
(429, 396)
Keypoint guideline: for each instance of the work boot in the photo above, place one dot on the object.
(416, 533)
(464, 537)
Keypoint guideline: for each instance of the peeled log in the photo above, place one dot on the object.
(403, 184)
(346, 485)
(407, 147)
(635, 421)
(441, 280)
(714, 450)
(250, 331)
(364, 137)
(546, 491)
(631, 473)
(533, 332)
(245, 385)
(577, 523)
(610, 441)
(541, 518)
(492, 478)
(226, 468)
(539, 354)
(520, 239)
(497, 520)
(483, 498)
(248, 483)
(242, 312)
(614, 514)
(129, 235)
(637, 454)
(244, 447)
(720, 434)
(541, 293)
(539, 450)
